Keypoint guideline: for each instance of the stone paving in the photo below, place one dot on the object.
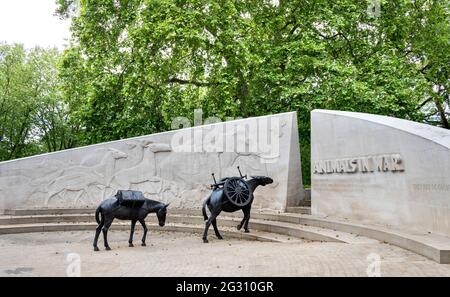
(182, 254)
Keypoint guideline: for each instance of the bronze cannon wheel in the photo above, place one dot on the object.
(238, 192)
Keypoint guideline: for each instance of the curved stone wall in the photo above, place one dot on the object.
(173, 167)
(380, 170)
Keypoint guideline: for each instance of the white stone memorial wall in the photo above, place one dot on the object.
(173, 167)
(380, 170)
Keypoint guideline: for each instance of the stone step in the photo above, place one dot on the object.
(432, 246)
(47, 211)
(64, 211)
(307, 199)
(269, 226)
(170, 227)
(61, 215)
(52, 218)
(299, 209)
(295, 230)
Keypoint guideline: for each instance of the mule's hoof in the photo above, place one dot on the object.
(96, 249)
(247, 231)
(238, 227)
(143, 244)
(107, 248)
(130, 245)
(205, 240)
(220, 237)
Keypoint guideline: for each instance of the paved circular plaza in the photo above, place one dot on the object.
(183, 254)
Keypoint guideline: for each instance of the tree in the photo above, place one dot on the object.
(136, 64)
(32, 113)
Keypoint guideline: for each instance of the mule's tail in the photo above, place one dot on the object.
(97, 212)
(205, 216)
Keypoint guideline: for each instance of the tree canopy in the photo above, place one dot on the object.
(33, 117)
(134, 65)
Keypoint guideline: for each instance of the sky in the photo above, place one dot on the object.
(32, 23)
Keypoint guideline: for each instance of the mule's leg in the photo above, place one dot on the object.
(205, 233)
(214, 223)
(239, 226)
(145, 231)
(208, 223)
(97, 232)
(247, 219)
(130, 241)
(108, 222)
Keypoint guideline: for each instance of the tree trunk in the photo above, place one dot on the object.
(442, 114)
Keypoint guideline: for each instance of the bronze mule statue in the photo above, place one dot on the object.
(127, 205)
(231, 194)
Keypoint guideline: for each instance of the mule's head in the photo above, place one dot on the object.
(262, 180)
(161, 214)
(116, 154)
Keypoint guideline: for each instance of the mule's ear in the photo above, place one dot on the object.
(165, 206)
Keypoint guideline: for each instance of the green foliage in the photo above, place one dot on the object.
(137, 64)
(32, 113)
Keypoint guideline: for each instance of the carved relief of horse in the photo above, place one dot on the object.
(80, 178)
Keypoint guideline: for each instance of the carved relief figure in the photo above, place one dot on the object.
(142, 173)
(80, 178)
(20, 182)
